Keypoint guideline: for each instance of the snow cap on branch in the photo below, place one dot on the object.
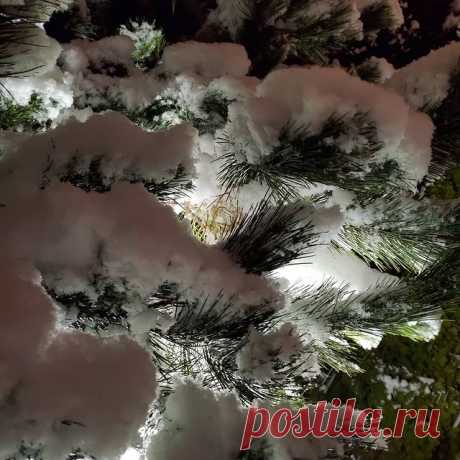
(425, 83)
(309, 97)
(210, 60)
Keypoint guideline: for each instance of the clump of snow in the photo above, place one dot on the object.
(105, 75)
(367, 340)
(453, 19)
(256, 358)
(428, 330)
(125, 150)
(53, 88)
(309, 97)
(219, 425)
(394, 385)
(62, 389)
(84, 392)
(425, 82)
(343, 267)
(125, 236)
(136, 262)
(28, 318)
(210, 60)
(98, 56)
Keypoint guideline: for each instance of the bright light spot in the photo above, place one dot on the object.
(131, 454)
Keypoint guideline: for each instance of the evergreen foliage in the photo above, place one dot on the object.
(201, 334)
(303, 158)
(167, 111)
(32, 11)
(155, 117)
(18, 34)
(270, 237)
(423, 374)
(204, 340)
(91, 179)
(149, 43)
(391, 309)
(377, 16)
(16, 37)
(368, 71)
(308, 37)
(407, 237)
(447, 188)
(14, 116)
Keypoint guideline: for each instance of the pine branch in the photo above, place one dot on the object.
(368, 71)
(205, 318)
(204, 339)
(438, 283)
(14, 116)
(97, 313)
(215, 106)
(318, 37)
(91, 179)
(407, 237)
(303, 158)
(262, 13)
(207, 336)
(384, 309)
(16, 39)
(18, 34)
(276, 30)
(33, 11)
(388, 309)
(271, 236)
(446, 189)
(377, 16)
(169, 190)
(204, 342)
(149, 43)
(340, 355)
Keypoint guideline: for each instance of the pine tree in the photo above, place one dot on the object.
(195, 205)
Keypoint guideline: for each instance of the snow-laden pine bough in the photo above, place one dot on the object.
(180, 239)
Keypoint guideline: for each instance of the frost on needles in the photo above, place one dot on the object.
(187, 228)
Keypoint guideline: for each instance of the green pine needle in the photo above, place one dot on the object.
(377, 16)
(91, 179)
(303, 158)
(271, 236)
(20, 117)
(406, 238)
